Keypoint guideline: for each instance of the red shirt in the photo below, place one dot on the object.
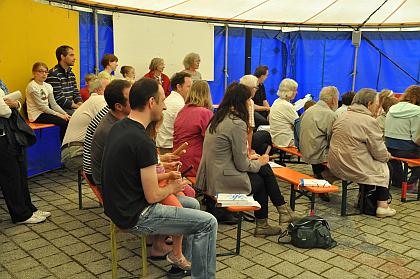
(84, 93)
(190, 126)
(166, 83)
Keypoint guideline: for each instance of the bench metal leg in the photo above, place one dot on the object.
(292, 197)
(404, 183)
(238, 239)
(344, 198)
(312, 212)
(79, 185)
(362, 199)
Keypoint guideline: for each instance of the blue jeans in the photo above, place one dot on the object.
(198, 227)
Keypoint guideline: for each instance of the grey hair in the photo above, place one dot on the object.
(249, 80)
(96, 84)
(189, 59)
(287, 88)
(365, 96)
(328, 93)
(155, 63)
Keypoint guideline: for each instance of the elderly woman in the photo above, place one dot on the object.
(225, 166)
(358, 153)
(192, 129)
(283, 115)
(401, 129)
(156, 67)
(191, 64)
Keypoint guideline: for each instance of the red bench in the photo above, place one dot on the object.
(406, 162)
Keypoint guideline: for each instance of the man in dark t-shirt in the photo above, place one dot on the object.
(261, 105)
(130, 186)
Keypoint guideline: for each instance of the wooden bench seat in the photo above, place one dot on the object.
(294, 177)
(291, 150)
(36, 126)
(407, 162)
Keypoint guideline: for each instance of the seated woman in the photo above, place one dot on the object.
(283, 115)
(156, 67)
(191, 64)
(358, 153)
(192, 129)
(387, 103)
(110, 64)
(128, 73)
(226, 168)
(401, 127)
(13, 166)
(40, 101)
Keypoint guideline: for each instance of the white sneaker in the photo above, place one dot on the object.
(385, 212)
(42, 213)
(34, 219)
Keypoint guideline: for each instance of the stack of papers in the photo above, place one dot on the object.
(274, 165)
(224, 200)
(314, 183)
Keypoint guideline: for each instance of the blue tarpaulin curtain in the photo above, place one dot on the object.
(87, 41)
(313, 59)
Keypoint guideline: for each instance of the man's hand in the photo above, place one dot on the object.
(264, 159)
(11, 103)
(168, 158)
(74, 106)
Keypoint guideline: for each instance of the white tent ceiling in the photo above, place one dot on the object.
(278, 12)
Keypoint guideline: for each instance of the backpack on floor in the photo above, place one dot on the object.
(310, 232)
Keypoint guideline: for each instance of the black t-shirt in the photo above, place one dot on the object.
(260, 95)
(127, 150)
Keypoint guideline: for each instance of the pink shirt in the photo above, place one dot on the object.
(190, 126)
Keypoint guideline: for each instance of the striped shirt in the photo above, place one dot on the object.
(64, 86)
(87, 147)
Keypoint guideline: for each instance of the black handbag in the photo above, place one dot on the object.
(310, 232)
(16, 130)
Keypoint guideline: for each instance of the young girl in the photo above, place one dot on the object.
(175, 257)
(40, 101)
(128, 73)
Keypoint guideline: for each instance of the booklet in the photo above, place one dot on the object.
(274, 165)
(13, 96)
(224, 200)
(314, 182)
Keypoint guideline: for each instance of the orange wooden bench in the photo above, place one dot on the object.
(36, 126)
(239, 211)
(294, 177)
(292, 150)
(80, 176)
(406, 162)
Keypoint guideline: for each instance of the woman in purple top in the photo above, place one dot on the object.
(191, 124)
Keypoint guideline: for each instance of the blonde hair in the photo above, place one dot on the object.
(155, 63)
(287, 88)
(199, 95)
(90, 77)
(249, 80)
(328, 93)
(189, 60)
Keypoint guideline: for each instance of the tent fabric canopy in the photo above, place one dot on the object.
(282, 12)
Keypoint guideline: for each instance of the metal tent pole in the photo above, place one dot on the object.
(226, 55)
(95, 19)
(355, 40)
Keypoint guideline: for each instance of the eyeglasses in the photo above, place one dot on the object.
(43, 72)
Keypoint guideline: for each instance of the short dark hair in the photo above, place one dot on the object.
(108, 58)
(260, 71)
(114, 92)
(62, 50)
(308, 104)
(141, 91)
(178, 78)
(411, 95)
(347, 98)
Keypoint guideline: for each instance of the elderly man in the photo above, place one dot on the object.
(316, 129)
(72, 146)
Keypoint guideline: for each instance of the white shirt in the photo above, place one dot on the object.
(251, 114)
(341, 110)
(5, 111)
(39, 99)
(79, 121)
(282, 119)
(174, 103)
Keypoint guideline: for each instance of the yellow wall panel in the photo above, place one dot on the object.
(30, 32)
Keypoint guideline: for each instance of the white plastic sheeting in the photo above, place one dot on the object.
(300, 12)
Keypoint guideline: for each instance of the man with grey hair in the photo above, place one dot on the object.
(316, 130)
(72, 146)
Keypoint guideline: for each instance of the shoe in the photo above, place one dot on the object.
(385, 212)
(286, 214)
(45, 214)
(325, 197)
(177, 273)
(182, 263)
(263, 229)
(34, 219)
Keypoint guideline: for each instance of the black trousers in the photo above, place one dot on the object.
(396, 166)
(318, 169)
(52, 119)
(382, 193)
(260, 141)
(260, 119)
(264, 185)
(14, 182)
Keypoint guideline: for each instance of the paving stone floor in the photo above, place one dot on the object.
(75, 243)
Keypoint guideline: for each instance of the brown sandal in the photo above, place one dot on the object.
(182, 262)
